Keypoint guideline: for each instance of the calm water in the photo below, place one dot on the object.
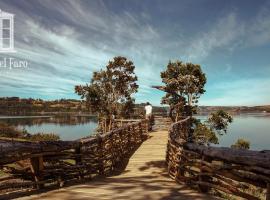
(253, 127)
(67, 127)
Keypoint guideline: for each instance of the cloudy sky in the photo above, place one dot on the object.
(64, 41)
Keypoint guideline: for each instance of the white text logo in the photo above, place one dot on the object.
(6, 32)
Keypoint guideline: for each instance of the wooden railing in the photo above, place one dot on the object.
(35, 165)
(242, 173)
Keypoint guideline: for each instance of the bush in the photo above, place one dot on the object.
(204, 135)
(44, 137)
(241, 144)
(10, 131)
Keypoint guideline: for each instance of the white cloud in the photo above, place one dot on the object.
(258, 32)
(251, 92)
(223, 34)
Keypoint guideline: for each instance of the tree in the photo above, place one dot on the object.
(241, 144)
(216, 125)
(204, 135)
(110, 90)
(219, 121)
(184, 84)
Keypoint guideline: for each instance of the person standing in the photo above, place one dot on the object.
(148, 115)
(148, 110)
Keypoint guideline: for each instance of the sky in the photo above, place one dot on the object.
(65, 41)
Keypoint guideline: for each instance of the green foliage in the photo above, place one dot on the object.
(216, 125)
(44, 137)
(219, 121)
(11, 131)
(128, 108)
(184, 83)
(204, 135)
(110, 90)
(241, 144)
(22, 106)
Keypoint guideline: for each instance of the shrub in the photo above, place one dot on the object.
(10, 131)
(241, 144)
(44, 137)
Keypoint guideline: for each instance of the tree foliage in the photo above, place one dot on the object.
(215, 126)
(204, 135)
(11, 131)
(219, 121)
(110, 91)
(241, 144)
(184, 84)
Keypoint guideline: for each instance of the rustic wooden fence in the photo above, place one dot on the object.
(242, 173)
(36, 165)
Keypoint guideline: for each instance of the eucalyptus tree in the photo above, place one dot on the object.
(184, 84)
(110, 91)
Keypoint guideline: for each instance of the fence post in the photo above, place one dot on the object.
(268, 191)
(78, 159)
(140, 127)
(129, 136)
(36, 168)
(204, 178)
(100, 146)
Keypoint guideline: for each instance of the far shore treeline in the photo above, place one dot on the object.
(30, 106)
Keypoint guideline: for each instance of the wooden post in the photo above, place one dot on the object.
(268, 192)
(204, 178)
(141, 131)
(100, 146)
(36, 168)
(145, 125)
(78, 159)
(129, 142)
(181, 161)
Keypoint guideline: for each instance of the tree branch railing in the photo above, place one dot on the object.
(242, 173)
(34, 165)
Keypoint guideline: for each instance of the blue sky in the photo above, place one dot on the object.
(64, 41)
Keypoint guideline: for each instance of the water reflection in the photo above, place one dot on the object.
(67, 127)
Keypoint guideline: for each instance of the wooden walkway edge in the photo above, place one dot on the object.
(145, 178)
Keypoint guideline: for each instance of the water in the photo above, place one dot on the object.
(67, 127)
(253, 127)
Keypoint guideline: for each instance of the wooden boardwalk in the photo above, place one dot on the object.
(145, 178)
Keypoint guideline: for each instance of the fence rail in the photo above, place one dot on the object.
(35, 165)
(242, 173)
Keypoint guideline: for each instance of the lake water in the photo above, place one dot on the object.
(67, 127)
(253, 127)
